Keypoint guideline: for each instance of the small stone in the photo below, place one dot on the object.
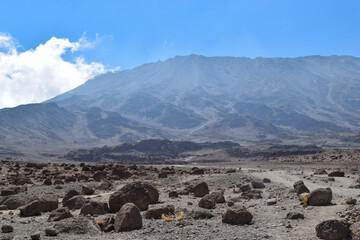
(271, 201)
(35, 236)
(295, 215)
(288, 226)
(52, 232)
(336, 174)
(266, 180)
(201, 214)
(3, 207)
(230, 203)
(87, 190)
(257, 184)
(7, 228)
(351, 201)
(173, 194)
(245, 187)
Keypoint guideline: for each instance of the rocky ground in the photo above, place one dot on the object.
(112, 201)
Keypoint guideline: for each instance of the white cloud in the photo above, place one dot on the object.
(38, 74)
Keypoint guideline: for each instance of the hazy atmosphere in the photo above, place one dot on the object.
(179, 119)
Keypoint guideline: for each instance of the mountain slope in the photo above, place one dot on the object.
(321, 91)
(207, 98)
(50, 126)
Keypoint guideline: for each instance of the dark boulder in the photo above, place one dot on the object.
(75, 202)
(94, 208)
(157, 210)
(300, 187)
(77, 225)
(59, 214)
(336, 174)
(207, 202)
(135, 192)
(71, 193)
(333, 230)
(237, 215)
(128, 218)
(320, 196)
(200, 190)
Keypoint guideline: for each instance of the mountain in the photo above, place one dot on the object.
(201, 98)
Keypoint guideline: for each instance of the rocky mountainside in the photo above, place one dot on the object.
(282, 100)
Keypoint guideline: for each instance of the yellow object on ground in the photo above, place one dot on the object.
(100, 222)
(180, 217)
(167, 219)
(304, 197)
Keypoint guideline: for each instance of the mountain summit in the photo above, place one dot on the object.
(215, 98)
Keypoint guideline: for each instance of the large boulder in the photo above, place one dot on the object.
(128, 218)
(201, 214)
(49, 202)
(99, 175)
(46, 202)
(200, 190)
(121, 173)
(15, 201)
(75, 202)
(94, 208)
(218, 196)
(207, 202)
(237, 215)
(300, 187)
(77, 225)
(333, 230)
(320, 196)
(71, 193)
(154, 193)
(104, 185)
(156, 211)
(31, 209)
(59, 214)
(9, 191)
(135, 192)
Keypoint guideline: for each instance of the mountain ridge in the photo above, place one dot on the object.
(216, 98)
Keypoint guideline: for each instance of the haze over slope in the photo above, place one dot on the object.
(217, 98)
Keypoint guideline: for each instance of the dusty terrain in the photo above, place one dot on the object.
(269, 221)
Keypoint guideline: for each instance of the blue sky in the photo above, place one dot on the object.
(48, 47)
(134, 32)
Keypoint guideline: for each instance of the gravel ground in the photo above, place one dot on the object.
(268, 221)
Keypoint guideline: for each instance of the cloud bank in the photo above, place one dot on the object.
(38, 74)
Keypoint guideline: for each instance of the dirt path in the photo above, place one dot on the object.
(313, 215)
